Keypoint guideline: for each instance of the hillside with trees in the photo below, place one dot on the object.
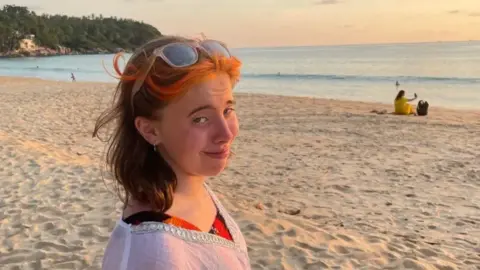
(60, 34)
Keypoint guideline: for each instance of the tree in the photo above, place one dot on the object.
(79, 34)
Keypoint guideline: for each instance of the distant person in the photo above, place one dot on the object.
(397, 84)
(401, 104)
(73, 77)
(174, 124)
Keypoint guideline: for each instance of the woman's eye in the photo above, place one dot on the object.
(228, 111)
(200, 120)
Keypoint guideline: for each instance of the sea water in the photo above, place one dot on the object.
(445, 74)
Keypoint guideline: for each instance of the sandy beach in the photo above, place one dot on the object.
(315, 184)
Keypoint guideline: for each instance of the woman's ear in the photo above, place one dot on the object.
(148, 129)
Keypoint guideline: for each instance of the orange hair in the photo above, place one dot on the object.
(153, 73)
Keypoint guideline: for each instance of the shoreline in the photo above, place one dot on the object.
(51, 55)
(374, 104)
(42, 52)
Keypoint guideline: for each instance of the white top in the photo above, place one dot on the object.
(156, 245)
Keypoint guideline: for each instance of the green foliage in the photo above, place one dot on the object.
(79, 34)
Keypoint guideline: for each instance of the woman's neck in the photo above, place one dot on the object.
(190, 186)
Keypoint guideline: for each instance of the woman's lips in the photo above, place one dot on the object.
(219, 154)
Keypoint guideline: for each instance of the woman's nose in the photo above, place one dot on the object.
(223, 132)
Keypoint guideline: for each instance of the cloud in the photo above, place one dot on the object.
(149, 1)
(327, 2)
(458, 12)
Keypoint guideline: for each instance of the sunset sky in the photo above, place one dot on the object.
(251, 23)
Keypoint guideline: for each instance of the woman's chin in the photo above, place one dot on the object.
(214, 168)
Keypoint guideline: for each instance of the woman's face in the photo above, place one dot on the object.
(196, 131)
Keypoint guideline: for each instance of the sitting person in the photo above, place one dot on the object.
(401, 104)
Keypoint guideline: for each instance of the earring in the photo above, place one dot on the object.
(155, 148)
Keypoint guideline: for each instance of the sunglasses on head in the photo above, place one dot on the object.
(182, 55)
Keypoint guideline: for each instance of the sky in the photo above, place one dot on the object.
(260, 23)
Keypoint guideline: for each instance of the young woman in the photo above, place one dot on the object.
(174, 122)
(401, 104)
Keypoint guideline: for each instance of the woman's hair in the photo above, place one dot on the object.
(400, 94)
(140, 172)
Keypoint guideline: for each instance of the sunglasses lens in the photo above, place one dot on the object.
(215, 48)
(180, 55)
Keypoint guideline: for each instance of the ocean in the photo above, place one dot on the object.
(446, 74)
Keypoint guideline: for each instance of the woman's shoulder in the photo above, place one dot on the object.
(144, 249)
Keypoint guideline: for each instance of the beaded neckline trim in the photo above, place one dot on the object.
(187, 235)
(195, 236)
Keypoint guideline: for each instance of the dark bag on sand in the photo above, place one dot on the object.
(422, 108)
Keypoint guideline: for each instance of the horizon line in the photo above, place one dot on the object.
(355, 44)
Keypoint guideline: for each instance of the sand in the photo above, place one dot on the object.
(315, 184)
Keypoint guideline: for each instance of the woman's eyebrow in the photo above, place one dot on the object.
(209, 106)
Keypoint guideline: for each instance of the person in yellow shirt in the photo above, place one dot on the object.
(401, 104)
